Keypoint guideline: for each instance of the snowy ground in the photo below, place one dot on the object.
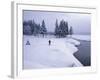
(59, 54)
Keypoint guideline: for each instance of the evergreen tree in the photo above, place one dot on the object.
(38, 28)
(56, 28)
(30, 23)
(35, 29)
(26, 28)
(43, 28)
(71, 31)
(67, 30)
(63, 28)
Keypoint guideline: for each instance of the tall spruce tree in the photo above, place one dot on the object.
(66, 28)
(33, 26)
(56, 28)
(61, 27)
(43, 28)
(71, 30)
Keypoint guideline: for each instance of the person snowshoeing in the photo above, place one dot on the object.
(49, 42)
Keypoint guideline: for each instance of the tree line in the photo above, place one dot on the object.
(32, 28)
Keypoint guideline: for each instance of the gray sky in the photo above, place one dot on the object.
(80, 22)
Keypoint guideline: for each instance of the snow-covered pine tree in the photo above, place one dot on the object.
(26, 28)
(71, 30)
(56, 28)
(66, 29)
(43, 28)
(63, 28)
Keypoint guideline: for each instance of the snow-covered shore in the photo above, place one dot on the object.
(59, 54)
(82, 37)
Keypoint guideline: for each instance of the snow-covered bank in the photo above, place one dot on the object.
(72, 41)
(82, 37)
(59, 54)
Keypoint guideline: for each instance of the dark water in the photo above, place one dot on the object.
(84, 53)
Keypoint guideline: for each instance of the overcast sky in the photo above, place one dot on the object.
(80, 22)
